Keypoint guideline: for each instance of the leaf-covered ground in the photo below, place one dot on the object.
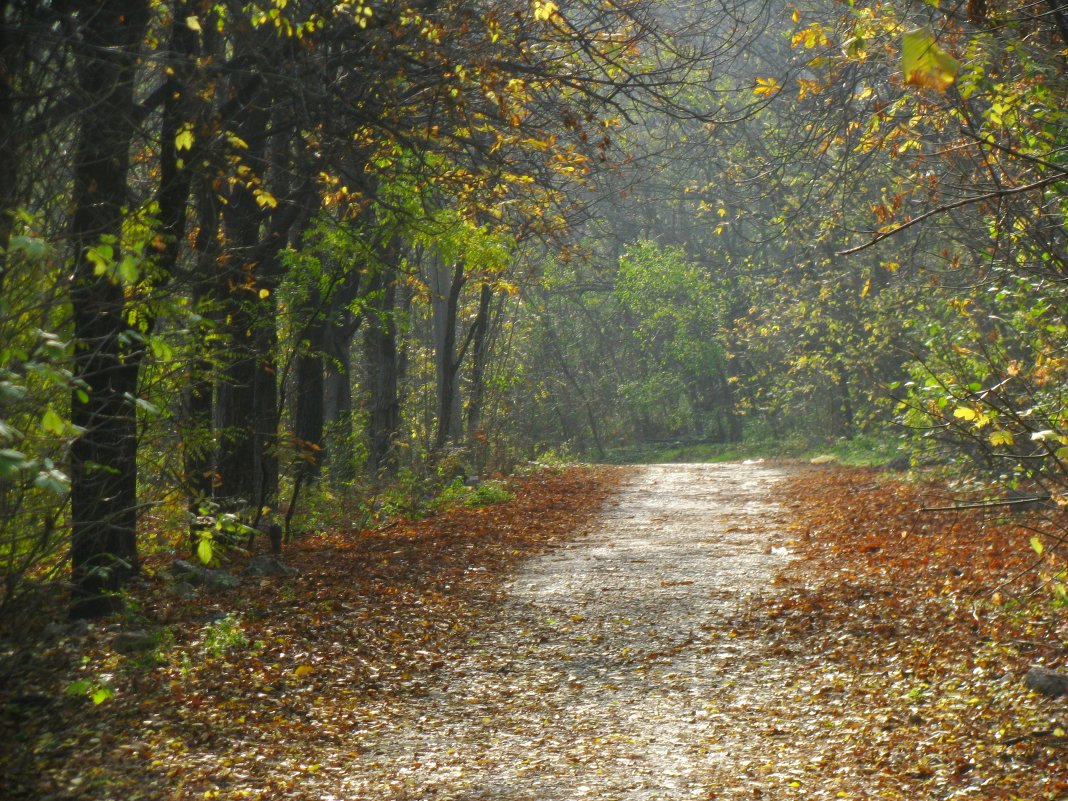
(257, 692)
(897, 662)
(882, 662)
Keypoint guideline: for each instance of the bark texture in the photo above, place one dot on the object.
(104, 457)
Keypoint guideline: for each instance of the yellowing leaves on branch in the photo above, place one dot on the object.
(544, 9)
(766, 87)
(924, 63)
(810, 37)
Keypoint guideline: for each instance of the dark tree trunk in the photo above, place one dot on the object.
(175, 180)
(342, 325)
(380, 344)
(104, 456)
(9, 150)
(479, 360)
(238, 468)
(173, 199)
(446, 305)
(197, 452)
(308, 410)
(337, 396)
(266, 407)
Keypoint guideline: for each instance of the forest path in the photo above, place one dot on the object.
(610, 671)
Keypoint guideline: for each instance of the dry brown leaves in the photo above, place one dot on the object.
(257, 691)
(902, 664)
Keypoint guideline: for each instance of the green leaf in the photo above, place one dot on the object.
(12, 461)
(1037, 546)
(184, 139)
(141, 403)
(924, 63)
(204, 551)
(79, 687)
(52, 423)
(161, 350)
(99, 693)
(33, 248)
(102, 257)
(55, 481)
(129, 270)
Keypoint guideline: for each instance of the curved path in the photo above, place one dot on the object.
(607, 673)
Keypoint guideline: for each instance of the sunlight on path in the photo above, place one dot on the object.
(602, 676)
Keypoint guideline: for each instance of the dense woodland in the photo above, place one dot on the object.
(256, 257)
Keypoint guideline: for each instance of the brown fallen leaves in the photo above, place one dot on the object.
(261, 691)
(904, 661)
(882, 664)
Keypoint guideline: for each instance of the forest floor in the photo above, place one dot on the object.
(733, 631)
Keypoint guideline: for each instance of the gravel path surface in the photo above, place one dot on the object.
(607, 673)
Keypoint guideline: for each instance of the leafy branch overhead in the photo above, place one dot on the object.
(924, 63)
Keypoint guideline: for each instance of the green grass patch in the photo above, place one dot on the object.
(482, 494)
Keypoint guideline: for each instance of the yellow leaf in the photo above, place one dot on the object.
(183, 140)
(1002, 437)
(867, 288)
(193, 23)
(926, 64)
(265, 199)
(303, 670)
(807, 87)
(964, 413)
(544, 9)
(811, 37)
(264, 294)
(766, 86)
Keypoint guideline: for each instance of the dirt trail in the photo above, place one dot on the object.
(606, 673)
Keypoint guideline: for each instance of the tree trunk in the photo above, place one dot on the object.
(380, 344)
(308, 410)
(591, 415)
(198, 438)
(104, 456)
(238, 466)
(323, 413)
(842, 403)
(9, 151)
(337, 396)
(730, 413)
(445, 295)
(479, 359)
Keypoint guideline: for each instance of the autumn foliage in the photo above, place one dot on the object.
(257, 691)
(905, 636)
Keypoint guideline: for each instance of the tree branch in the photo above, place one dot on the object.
(950, 206)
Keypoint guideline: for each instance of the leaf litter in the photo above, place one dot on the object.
(719, 631)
